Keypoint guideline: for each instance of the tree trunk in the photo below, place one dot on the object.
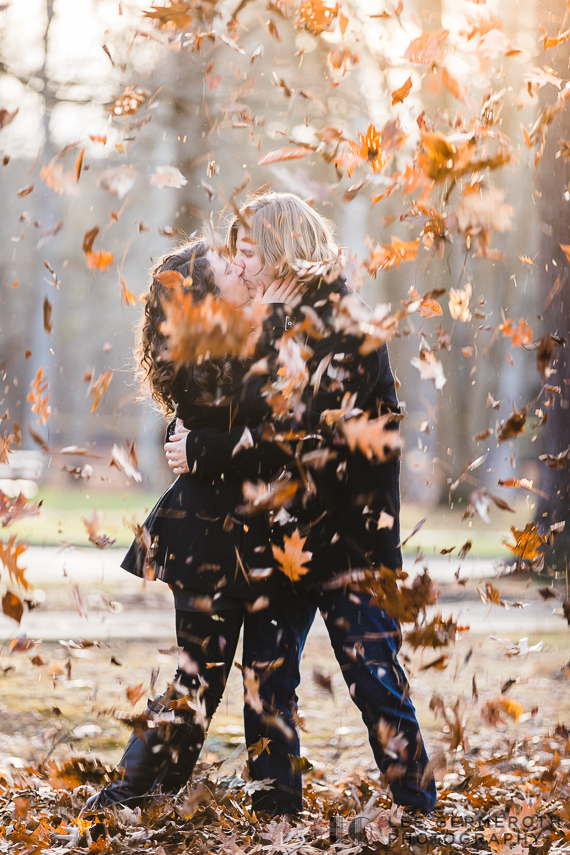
(554, 207)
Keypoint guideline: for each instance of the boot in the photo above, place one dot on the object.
(163, 757)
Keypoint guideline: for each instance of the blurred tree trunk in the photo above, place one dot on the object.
(554, 207)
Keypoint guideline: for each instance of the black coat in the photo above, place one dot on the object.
(200, 538)
(206, 543)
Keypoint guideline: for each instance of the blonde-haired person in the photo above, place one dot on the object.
(283, 246)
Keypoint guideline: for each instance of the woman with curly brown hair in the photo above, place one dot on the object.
(218, 565)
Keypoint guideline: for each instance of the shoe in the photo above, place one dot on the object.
(162, 756)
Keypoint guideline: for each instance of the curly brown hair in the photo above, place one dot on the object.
(188, 260)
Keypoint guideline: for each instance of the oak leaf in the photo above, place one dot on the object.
(178, 13)
(315, 16)
(430, 368)
(99, 260)
(16, 509)
(291, 560)
(372, 437)
(12, 606)
(9, 556)
(126, 461)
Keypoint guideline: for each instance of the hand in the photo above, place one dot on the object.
(286, 290)
(175, 450)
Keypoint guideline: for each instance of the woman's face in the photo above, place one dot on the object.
(227, 277)
(252, 271)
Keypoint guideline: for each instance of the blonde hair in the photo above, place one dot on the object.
(288, 235)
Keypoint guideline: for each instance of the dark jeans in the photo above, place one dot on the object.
(365, 642)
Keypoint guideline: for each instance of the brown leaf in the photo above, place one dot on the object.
(6, 117)
(286, 153)
(398, 95)
(99, 387)
(12, 606)
(323, 681)
(547, 593)
(89, 239)
(79, 164)
(47, 315)
(556, 461)
(178, 13)
(5, 442)
(16, 509)
(514, 425)
(127, 296)
(25, 191)
(544, 355)
(92, 524)
(262, 497)
(427, 48)
(129, 102)
(135, 693)
(291, 560)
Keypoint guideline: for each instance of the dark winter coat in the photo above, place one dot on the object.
(200, 538)
(340, 522)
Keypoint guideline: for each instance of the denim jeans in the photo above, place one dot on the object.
(365, 642)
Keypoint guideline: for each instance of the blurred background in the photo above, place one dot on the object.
(260, 84)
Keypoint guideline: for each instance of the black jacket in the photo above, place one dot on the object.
(200, 539)
(340, 521)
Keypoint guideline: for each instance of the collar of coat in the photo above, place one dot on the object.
(318, 297)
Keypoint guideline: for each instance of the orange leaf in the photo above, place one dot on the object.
(16, 509)
(315, 16)
(97, 138)
(519, 335)
(79, 164)
(292, 559)
(60, 182)
(99, 388)
(372, 437)
(5, 443)
(399, 94)
(556, 40)
(128, 297)
(566, 248)
(451, 84)
(427, 48)
(9, 555)
(99, 260)
(177, 13)
(286, 153)
(39, 396)
(135, 693)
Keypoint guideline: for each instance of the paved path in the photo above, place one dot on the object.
(52, 569)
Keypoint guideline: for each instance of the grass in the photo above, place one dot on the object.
(64, 509)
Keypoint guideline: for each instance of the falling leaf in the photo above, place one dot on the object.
(556, 461)
(60, 182)
(16, 509)
(286, 153)
(178, 13)
(168, 176)
(129, 102)
(119, 180)
(459, 303)
(520, 335)
(315, 16)
(291, 560)
(126, 461)
(528, 541)
(92, 523)
(25, 191)
(47, 315)
(135, 693)
(5, 443)
(262, 497)
(79, 164)
(246, 441)
(400, 94)
(9, 556)
(22, 644)
(372, 436)
(547, 593)
(552, 41)
(127, 296)
(491, 402)
(386, 256)
(89, 239)
(12, 606)
(430, 368)
(211, 327)
(39, 396)
(514, 425)
(323, 681)
(427, 48)
(251, 690)
(99, 387)
(99, 260)
(415, 530)
(6, 117)
(520, 649)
